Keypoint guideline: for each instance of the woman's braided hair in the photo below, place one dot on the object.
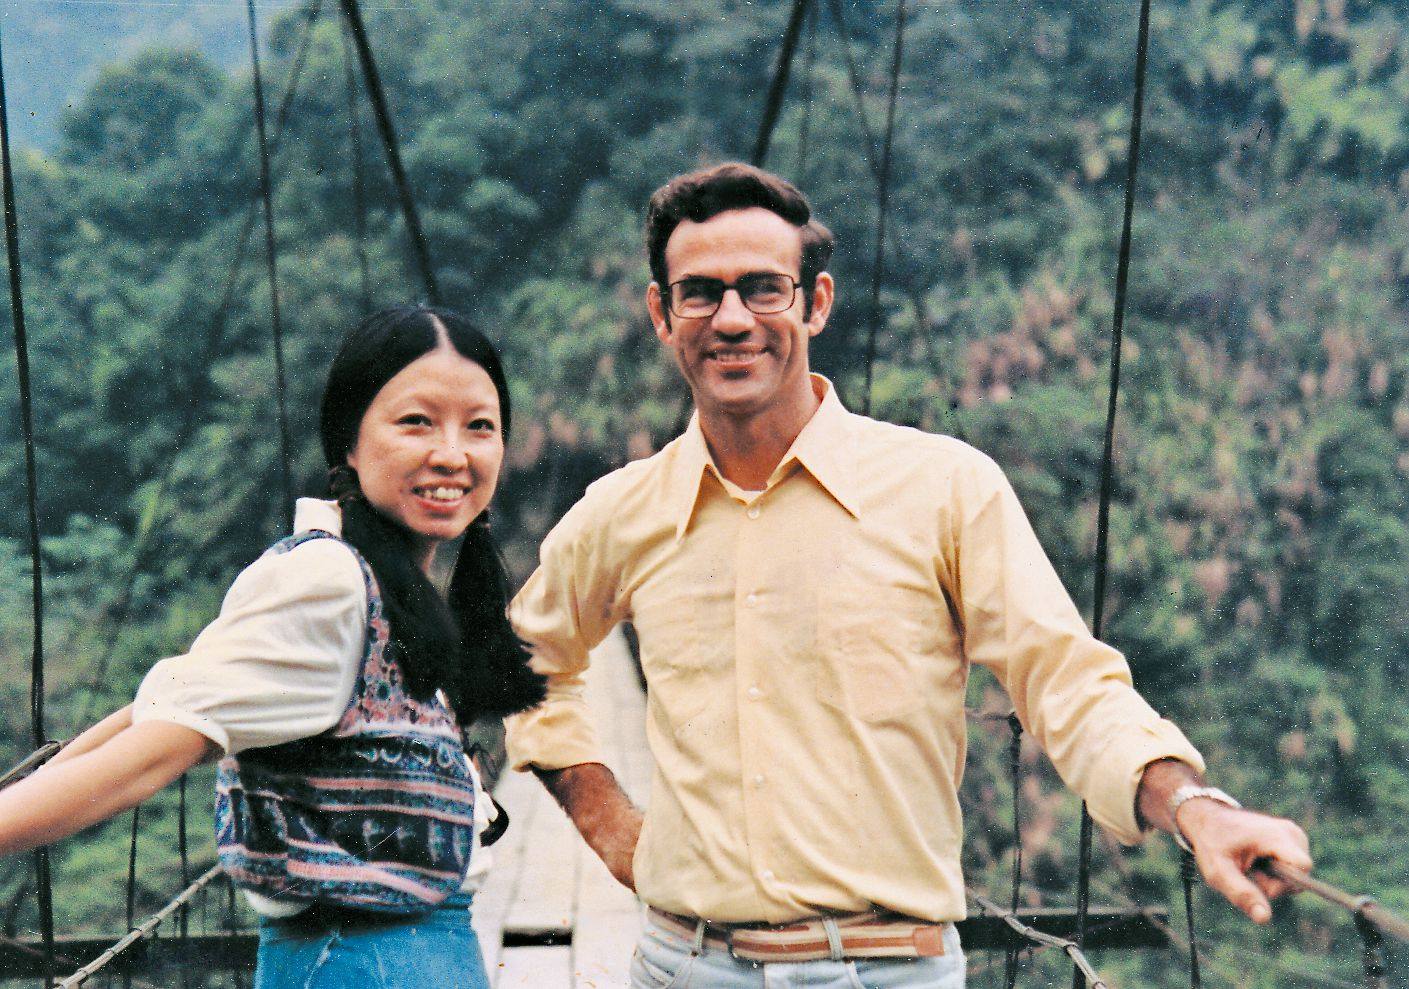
(462, 644)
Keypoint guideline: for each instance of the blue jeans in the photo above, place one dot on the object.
(436, 950)
(665, 960)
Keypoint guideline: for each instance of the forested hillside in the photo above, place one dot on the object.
(1261, 518)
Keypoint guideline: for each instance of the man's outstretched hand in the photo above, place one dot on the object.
(1227, 841)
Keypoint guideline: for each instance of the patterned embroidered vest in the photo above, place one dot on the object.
(376, 813)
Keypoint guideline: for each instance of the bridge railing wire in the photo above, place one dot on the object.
(140, 932)
(1034, 936)
(30, 763)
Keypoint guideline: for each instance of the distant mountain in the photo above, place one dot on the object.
(55, 48)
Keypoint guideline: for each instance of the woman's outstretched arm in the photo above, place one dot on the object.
(95, 736)
(116, 773)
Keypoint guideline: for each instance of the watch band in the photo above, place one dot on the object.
(1187, 792)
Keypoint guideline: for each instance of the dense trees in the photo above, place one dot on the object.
(1259, 583)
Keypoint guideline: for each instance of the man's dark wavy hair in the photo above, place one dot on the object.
(463, 646)
(699, 195)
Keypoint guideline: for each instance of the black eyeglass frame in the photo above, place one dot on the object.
(725, 287)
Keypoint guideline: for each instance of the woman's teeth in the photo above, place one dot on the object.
(441, 494)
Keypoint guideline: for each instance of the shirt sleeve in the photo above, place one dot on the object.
(280, 661)
(1072, 692)
(567, 607)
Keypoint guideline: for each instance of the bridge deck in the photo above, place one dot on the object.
(545, 885)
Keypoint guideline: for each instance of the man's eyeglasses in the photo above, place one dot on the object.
(762, 293)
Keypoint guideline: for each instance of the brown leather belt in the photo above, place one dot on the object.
(864, 935)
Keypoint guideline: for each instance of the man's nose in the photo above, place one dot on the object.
(732, 314)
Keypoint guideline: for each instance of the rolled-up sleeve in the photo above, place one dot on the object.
(566, 608)
(1071, 691)
(280, 661)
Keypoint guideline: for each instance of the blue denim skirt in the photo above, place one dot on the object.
(341, 950)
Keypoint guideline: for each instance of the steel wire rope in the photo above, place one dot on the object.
(779, 85)
(146, 541)
(1385, 921)
(1015, 728)
(1187, 871)
(1180, 941)
(271, 262)
(140, 931)
(1070, 948)
(359, 169)
(183, 916)
(844, 33)
(883, 202)
(809, 62)
(131, 913)
(43, 879)
(1102, 562)
(387, 130)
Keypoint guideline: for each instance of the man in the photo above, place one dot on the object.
(809, 587)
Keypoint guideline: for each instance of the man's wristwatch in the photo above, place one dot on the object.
(1187, 792)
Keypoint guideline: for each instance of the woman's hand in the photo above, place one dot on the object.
(119, 769)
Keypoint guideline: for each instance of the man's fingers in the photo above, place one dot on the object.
(1240, 890)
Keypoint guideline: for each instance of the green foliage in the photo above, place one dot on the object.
(1259, 535)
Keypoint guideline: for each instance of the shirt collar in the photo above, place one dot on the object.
(823, 448)
(315, 513)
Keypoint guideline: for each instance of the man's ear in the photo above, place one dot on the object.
(660, 319)
(823, 294)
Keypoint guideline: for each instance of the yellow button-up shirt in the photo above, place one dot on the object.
(806, 651)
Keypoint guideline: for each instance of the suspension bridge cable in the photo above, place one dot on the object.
(1361, 906)
(131, 914)
(1122, 280)
(873, 157)
(141, 931)
(30, 763)
(1187, 871)
(774, 103)
(146, 544)
(809, 61)
(1015, 728)
(21, 338)
(1070, 948)
(271, 261)
(183, 916)
(359, 170)
(883, 201)
(421, 248)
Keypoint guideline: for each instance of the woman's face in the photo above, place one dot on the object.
(429, 447)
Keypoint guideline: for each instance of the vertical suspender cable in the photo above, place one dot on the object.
(1186, 879)
(271, 260)
(359, 172)
(1122, 280)
(132, 885)
(147, 541)
(36, 683)
(779, 85)
(873, 157)
(183, 921)
(1010, 957)
(387, 129)
(883, 202)
(808, 63)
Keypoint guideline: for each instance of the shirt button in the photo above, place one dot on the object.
(755, 693)
(758, 780)
(753, 511)
(751, 600)
(768, 875)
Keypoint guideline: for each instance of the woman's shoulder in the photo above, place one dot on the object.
(313, 564)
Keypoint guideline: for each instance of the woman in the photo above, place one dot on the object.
(335, 679)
